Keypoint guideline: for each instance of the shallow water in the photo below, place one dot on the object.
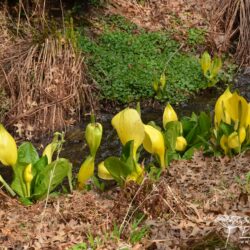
(76, 150)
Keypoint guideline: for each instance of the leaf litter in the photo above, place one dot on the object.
(180, 210)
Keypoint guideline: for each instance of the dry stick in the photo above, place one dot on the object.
(50, 180)
(130, 205)
(19, 16)
(150, 196)
(64, 30)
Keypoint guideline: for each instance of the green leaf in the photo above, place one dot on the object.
(187, 125)
(127, 155)
(225, 129)
(25, 201)
(215, 67)
(51, 176)
(118, 169)
(40, 164)
(27, 154)
(18, 183)
(172, 131)
(204, 122)
(172, 155)
(190, 137)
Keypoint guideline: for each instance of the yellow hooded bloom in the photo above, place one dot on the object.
(234, 140)
(93, 136)
(51, 148)
(49, 151)
(224, 144)
(129, 126)
(169, 115)
(8, 148)
(86, 171)
(237, 107)
(180, 144)
(205, 62)
(103, 173)
(154, 143)
(242, 134)
(221, 111)
(248, 116)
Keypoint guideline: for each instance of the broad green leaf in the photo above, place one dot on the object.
(118, 169)
(215, 67)
(187, 125)
(27, 154)
(226, 129)
(190, 152)
(204, 122)
(51, 176)
(190, 137)
(172, 155)
(127, 155)
(18, 183)
(40, 164)
(25, 201)
(172, 131)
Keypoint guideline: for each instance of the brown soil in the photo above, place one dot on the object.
(180, 208)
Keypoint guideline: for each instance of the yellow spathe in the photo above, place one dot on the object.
(169, 115)
(221, 113)
(154, 143)
(86, 171)
(224, 143)
(237, 107)
(180, 144)
(129, 126)
(103, 173)
(8, 148)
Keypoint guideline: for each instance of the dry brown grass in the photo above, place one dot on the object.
(233, 18)
(45, 81)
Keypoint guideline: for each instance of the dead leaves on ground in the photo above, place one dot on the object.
(181, 210)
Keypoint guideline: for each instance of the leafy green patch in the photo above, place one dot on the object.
(196, 36)
(124, 61)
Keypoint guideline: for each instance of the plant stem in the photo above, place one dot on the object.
(8, 188)
(92, 117)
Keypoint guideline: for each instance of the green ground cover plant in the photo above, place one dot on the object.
(125, 60)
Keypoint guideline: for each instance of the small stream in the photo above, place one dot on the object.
(76, 150)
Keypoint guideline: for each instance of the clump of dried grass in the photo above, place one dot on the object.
(233, 18)
(46, 82)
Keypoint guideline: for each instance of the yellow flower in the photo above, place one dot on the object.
(129, 126)
(224, 144)
(154, 143)
(28, 176)
(237, 107)
(93, 135)
(49, 151)
(181, 143)
(233, 140)
(8, 148)
(221, 113)
(103, 173)
(169, 115)
(248, 116)
(86, 171)
(205, 62)
(242, 134)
